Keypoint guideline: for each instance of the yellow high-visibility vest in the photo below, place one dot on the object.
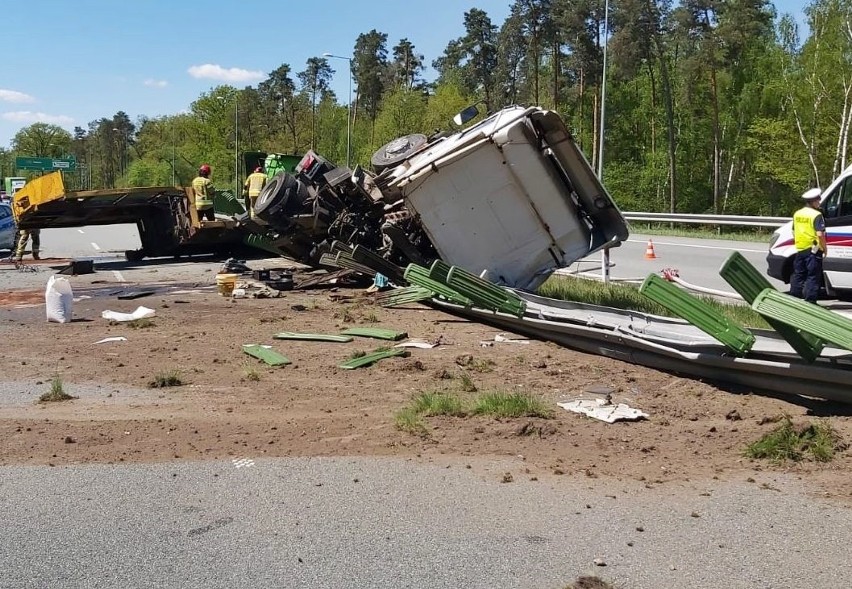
(255, 183)
(203, 189)
(804, 233)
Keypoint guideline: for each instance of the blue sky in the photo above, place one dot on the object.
(70, 62)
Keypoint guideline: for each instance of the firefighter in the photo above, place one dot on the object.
(26, 234)
(253, 187)
(203, 190)
(809, 239)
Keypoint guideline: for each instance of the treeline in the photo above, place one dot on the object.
(711, 105)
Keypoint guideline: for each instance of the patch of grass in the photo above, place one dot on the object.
(250, 373)
(356, 354)
(345, 315)
(817, 441)
(467, 384)
(438, 403)
(371, 318)
(143, 323)
(481, 365)
(626, 296)
(56, 393)
(755, 234)
(169, 378)
(504, 404)
(590, 583)
(410, 421)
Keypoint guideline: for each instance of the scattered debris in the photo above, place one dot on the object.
(372, 358)
(59, 300)
(107, 340)
(420, 344)
(376, 332)
(603, 410)
(139, 313)
(135, 294)
(77, 267)
(313, 337)
(265, 354)
(502, 338)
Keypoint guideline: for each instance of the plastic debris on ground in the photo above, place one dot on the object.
(416, 344)
(604, 410)
(59, 300)
(372, 358)
(266, 354)
(313, 337)
(107, 340)
(501, 337)
(139, 313)
(376, 332)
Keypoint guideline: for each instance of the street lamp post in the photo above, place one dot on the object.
(605, 252)
(349, 116)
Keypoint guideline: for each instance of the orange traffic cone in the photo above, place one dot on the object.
(649, 251)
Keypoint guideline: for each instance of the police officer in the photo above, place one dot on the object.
(26, 234)
(809, 239)
(202, 188)
(253, 187)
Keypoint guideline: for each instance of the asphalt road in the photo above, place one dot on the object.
(355, 523)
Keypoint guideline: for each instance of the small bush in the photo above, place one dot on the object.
(56, 393)
(250, 373)
(408, 420)
(143, 323)
(818, 441)
(170, 378)
(467, 384)
(357, 354)
(438, 403)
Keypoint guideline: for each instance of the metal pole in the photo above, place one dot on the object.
(605, 252)
(236, 147)
(349, 120)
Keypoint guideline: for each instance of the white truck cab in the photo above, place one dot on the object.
(836, 205)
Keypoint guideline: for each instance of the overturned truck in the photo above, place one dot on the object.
(511, 198)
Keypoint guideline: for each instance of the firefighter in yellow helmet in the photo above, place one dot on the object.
(202, 188)
(253, 187)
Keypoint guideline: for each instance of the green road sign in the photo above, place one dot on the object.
(46, 164)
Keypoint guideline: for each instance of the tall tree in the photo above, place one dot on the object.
(475, 55)
(370, 66)
(407, 65)
(315, 80)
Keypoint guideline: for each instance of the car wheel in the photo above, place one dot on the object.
(395, 152)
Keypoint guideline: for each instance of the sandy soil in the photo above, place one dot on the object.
(696, 430)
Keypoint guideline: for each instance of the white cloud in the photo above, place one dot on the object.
(217, 72)
(15, 96)
(155, 83)
(26, 116)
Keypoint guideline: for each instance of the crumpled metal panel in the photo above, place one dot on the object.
(810, 318)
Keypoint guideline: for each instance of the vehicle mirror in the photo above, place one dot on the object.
(466, 115)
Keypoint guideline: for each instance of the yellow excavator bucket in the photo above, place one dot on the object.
(37, 192)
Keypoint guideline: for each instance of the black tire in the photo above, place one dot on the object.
(271, 195)
(395, 152)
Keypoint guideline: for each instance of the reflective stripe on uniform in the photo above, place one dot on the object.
(201, 187)
(804, 232)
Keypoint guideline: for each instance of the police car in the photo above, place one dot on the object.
(7, 227)
(836, 205)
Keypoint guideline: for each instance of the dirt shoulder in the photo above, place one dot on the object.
(231, 405)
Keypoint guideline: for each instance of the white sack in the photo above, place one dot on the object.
(58, 300)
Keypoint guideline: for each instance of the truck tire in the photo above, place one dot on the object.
(271, 195)
(395, 152)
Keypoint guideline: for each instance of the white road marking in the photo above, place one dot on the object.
(241, 462)
(118, 276)
(705, 247)
(96, 246)
(80, 230)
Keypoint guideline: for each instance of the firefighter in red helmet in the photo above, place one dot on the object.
(202, 188)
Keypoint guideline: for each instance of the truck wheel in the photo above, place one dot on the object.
(395, 152)
(134, 255)
(271, 195)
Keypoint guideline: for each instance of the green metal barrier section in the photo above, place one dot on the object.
(419, 276)
(698, 313)
(749, 283)
(483, 293)
(225, 203)
(813, 319)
